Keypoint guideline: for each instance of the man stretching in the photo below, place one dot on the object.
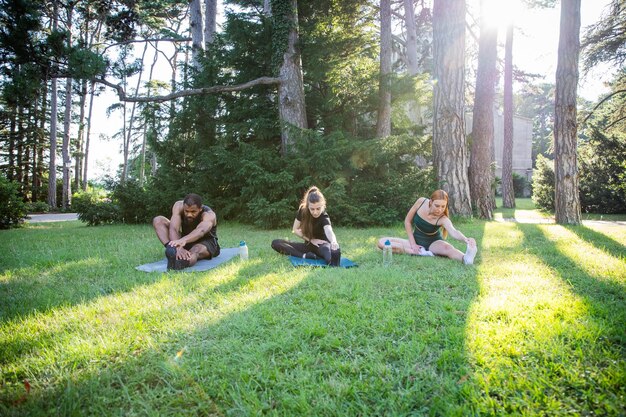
(190, 235)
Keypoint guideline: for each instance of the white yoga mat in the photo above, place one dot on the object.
(226, 254)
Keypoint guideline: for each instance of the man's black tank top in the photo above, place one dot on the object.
(188, 227)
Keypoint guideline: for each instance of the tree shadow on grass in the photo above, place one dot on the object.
(599, 240)
(36, 279)
(607, 299)
(360, 341)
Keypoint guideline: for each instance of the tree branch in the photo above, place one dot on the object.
(174, 40)
(186, 93)
(615, 122)
(600, 103)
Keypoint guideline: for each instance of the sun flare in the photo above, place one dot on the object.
(500, 13)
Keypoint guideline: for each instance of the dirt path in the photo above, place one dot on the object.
(51, 217)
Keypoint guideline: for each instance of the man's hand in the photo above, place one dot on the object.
(182, 253)
(179, 243)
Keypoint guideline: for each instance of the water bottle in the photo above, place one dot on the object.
(387, 253)
(243, 251)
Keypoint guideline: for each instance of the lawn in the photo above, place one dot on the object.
(536, 327)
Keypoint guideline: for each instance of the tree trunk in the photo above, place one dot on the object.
(88, 136)
(567, 202)
(80, 144)
(481, 173)
(19, 147)
(209, 21)
(52, 174)
(508, 193)
(39, 124)
(291, 106)
(11, 147)
(65, 150)
(383, 125)
(52, 169)
(450, 153)
(142, 166)
(67, 123)
(195, 23)
(173, 82)
(128, 138)
(411, 53)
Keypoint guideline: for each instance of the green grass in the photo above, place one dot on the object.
(536, 327)
(525, 212)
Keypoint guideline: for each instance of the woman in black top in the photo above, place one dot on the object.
(312, 224)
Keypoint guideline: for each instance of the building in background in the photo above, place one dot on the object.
(522, 144)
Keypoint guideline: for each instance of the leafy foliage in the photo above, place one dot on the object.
(603, 174)
(605, 41)
(543, 184)
(519, 185)
(94, 208)
(38, 207)
(133, 202)
(12, 208)
(227, 150)
(602, 154)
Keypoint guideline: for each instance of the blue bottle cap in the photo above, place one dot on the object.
(242, 243)
(387, 242)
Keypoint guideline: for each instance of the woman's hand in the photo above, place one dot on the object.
(334, 245)
(415, 248)
(317, 242)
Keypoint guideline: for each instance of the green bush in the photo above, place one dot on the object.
(38, 207)
(543, 184)
(519, 185)
(602, 169)
(132, 201)
(366, 182)
(95, 208)
(101, 212)
(12, 207)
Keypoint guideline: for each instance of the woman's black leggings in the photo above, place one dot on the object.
(297, 249)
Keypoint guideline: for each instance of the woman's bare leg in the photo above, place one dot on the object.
(397, 245)
(443, 248)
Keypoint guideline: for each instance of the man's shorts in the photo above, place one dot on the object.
(211, 245)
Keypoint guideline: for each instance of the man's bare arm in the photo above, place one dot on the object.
(209, 220)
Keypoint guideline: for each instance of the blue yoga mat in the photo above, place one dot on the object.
(345, 262)
(226, 254)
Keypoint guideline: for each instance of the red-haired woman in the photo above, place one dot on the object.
(427, 225)
(312, 224)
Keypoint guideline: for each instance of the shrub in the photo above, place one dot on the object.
(101, 212)
(132, 201)
(543, 184)
(94, 208)
(38, 207)
(12, 207)
(519, 185)
(602, 169)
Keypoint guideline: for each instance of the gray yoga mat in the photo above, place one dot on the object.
(225, 255)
